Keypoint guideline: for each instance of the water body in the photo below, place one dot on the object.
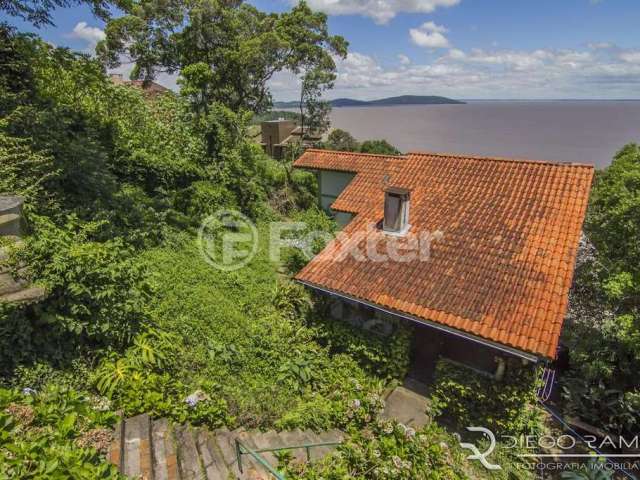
(565, 131)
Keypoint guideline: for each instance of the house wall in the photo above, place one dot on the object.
(331, 184)
(274, 132)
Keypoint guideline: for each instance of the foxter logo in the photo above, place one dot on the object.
(477, 455)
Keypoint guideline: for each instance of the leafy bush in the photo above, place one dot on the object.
(142, 381)
(505, 407)
(389, 450)
(27, 173)
(96, 290)
(54, 433)
(379, 147)
(604, 316)
(317, 228)
(384, 357)
(344, 141)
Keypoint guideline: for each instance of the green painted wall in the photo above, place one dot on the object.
(331, 185)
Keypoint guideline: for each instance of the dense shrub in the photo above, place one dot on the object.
(54, 433)
(144, 381)
(27, 173)
(603, 324)
(505, 407)
(96, 290)
(384, 357)
(315, 228)
(390, 451)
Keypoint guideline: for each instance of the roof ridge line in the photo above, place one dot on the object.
(500, 159)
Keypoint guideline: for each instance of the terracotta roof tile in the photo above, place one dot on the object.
(503, 266)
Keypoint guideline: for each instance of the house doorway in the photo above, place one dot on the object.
(426, 348)
(430, 344)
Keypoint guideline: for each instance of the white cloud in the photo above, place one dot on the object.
(380, 10)
(495, 73)
(403, 59)
(429, 35)
(631, 56)
(91, 35)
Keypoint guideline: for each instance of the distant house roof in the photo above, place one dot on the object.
(502, 263)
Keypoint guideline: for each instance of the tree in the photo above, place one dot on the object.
(314, 112)
(226, 50)
(603, 324)
(378, 146)
(341, 140)
(613, 224)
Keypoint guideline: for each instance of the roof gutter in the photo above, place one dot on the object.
(468, 336)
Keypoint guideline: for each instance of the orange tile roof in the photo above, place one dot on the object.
(505, 241)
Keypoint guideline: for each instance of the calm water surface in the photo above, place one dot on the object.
(567, 131)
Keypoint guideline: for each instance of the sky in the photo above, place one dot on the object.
(466, 49)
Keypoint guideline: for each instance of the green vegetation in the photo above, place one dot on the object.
(116, 185)
(389, 450)
(506, 406)
(343, 141)
(225, 52)
(55, 433)
(604, 338)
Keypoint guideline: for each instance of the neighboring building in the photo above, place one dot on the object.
(279, 135)
(149, 88)
(502, 242)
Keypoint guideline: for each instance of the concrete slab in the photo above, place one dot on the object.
(407, 407)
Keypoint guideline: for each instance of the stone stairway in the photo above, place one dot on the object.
(157, 450)
(13, 289)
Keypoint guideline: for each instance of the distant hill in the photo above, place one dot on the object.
(383, 102)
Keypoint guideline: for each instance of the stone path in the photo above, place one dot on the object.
(157, 450)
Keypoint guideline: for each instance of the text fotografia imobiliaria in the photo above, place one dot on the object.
(564, 456)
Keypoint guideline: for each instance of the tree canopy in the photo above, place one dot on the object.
(225, 51)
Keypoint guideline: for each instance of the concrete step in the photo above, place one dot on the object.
(407, 406)
(215, 467)
(165, 459)
(316, 452)
(251, 468)
(10, 204)
(137, 460)
(28, 295)
(322, 437)
(224, 441)
(156, 450)
(269, 439)
(8, 284)
(10, 224)
(188, 457)
(115, 454)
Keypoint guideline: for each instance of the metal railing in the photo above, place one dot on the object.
(242, 449)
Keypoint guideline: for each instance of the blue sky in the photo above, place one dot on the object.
(459, 48)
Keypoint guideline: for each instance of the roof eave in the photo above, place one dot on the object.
(531, 357)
